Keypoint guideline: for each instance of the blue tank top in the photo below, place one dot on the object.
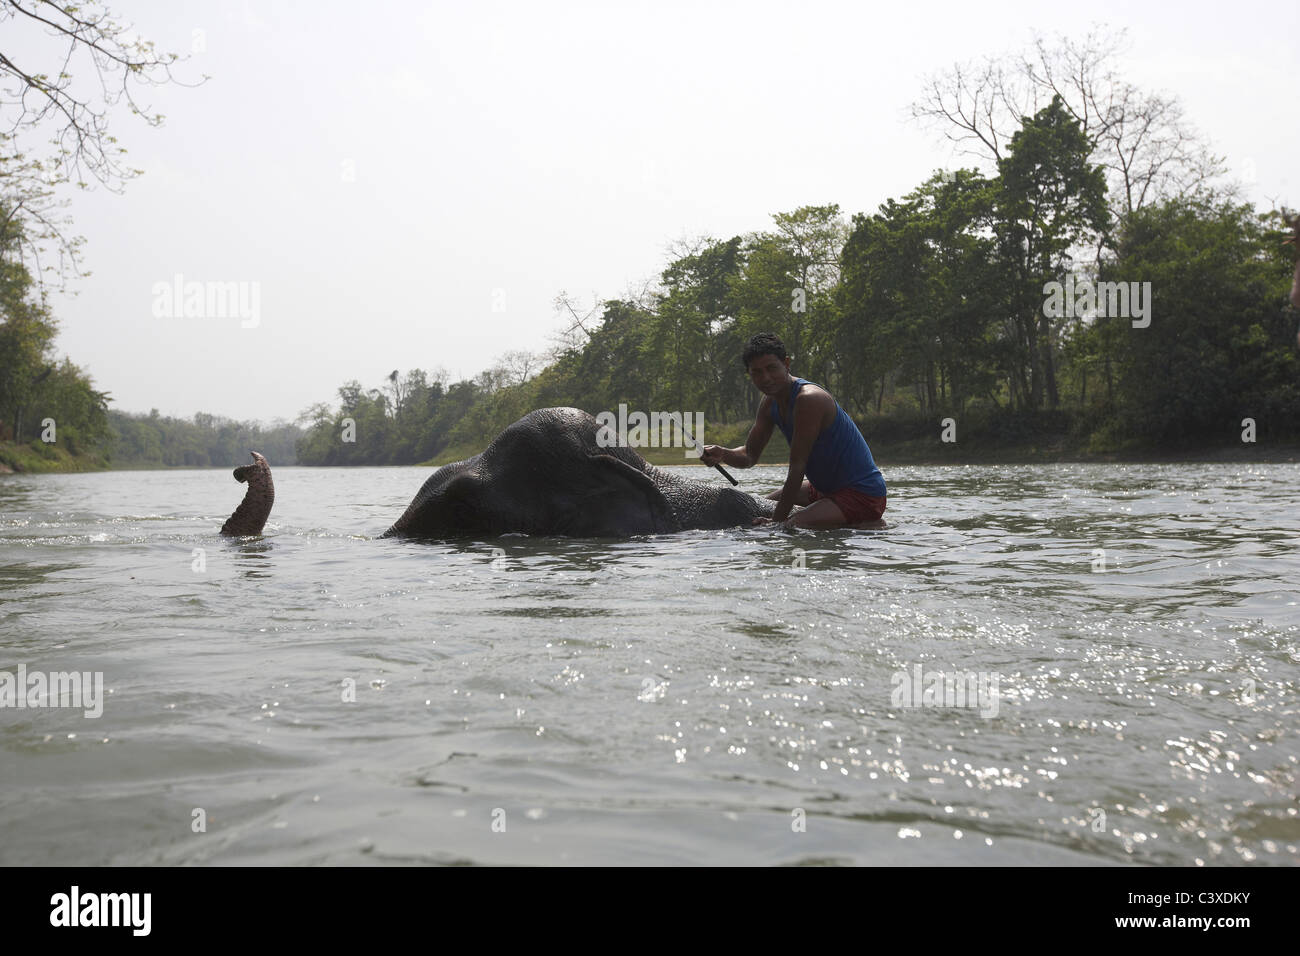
(840, 457)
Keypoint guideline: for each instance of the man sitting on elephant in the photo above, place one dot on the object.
(843, 486)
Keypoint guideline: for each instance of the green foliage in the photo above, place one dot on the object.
(1221, 343)
(157, 441)
(931, 313)
(34, 388)
(932, 307)
(689, 359)
(920, 291)
(1050, 198)
(788, 288)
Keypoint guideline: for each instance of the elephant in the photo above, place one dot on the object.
(547, 475)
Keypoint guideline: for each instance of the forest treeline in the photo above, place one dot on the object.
(1092, 286)
(51, 414)
(159, 441)
(1022, 305)
(44, 403)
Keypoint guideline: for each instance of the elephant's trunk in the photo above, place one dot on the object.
(250, 516)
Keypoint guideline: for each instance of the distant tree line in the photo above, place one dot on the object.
(46, 403)
(411, 419)
(158, 441)
(1172, 329)
(1089, 280)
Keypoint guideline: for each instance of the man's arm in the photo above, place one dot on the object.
(747, 455)
(809, 410)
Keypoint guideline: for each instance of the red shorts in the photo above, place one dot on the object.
(856, 506)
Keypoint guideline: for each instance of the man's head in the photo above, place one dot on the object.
(767, 363)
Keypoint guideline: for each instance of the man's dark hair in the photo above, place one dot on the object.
(765, 343)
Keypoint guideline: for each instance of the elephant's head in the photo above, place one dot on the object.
(455, 501)
(545, 474)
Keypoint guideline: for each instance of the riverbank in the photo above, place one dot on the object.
(930, 452)
(26, 459)
(39, 458)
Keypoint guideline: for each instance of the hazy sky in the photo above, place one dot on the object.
(411, 185)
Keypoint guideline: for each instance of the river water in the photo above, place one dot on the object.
(1056, 664)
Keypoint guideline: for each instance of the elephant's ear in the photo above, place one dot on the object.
(627, 502)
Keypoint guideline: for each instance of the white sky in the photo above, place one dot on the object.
(540, 147)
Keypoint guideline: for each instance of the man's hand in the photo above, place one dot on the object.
(712, 455)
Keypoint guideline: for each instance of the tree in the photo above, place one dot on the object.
(518, 366)
(72, 112)
(788, 286)
(1050, 199)
(882, 299)
(694, 339)
(921, 288)
(27, 332)
(1148, 149)
(26, 345)
(619, 363)
(1221, 344)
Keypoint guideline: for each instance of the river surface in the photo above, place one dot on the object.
(1057, 664)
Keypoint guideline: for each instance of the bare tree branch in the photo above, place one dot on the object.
(95, 44)
(1150, 151)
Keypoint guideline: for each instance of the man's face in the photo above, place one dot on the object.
(769, 373)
